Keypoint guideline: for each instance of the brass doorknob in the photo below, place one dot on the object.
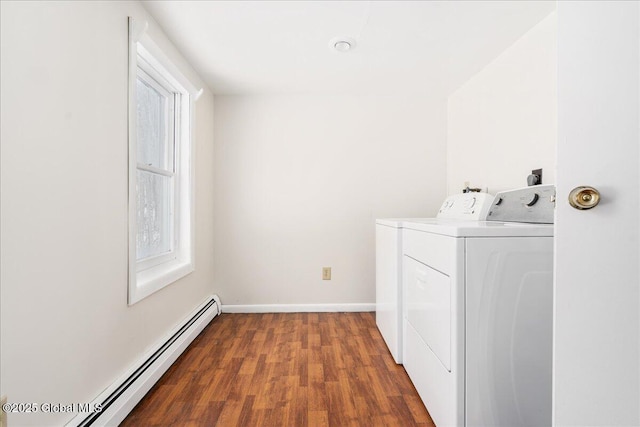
(584, 198)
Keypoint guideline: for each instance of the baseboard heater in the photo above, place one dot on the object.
(117, 401)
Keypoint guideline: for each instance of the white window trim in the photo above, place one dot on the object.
(145, 278)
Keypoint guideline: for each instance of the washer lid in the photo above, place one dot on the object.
(456, 228)
(396, 222)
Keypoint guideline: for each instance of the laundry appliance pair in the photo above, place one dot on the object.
(464, 301)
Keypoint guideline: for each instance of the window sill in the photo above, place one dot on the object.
(155, 278)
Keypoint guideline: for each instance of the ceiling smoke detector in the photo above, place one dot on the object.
(342, 44)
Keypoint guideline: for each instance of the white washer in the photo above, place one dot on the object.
(459, 207)
(389, 284)
(477, 316)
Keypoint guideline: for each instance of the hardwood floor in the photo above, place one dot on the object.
(284, 369)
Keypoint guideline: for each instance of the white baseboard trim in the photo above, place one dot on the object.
(297, 308)
(112, 406)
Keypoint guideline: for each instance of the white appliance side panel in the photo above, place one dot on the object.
(429, 307)
(389, 287)
(509, 299)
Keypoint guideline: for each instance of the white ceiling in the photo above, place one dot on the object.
(282, 47)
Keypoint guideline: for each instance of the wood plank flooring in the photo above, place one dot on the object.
(284, 369)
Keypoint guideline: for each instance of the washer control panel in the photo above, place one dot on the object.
(535, 204)
(471, 206)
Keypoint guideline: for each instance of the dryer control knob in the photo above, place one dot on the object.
(533, 200)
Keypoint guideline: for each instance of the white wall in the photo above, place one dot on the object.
(502, 123)
(66, 330)
(299, 181)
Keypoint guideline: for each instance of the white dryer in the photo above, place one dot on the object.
(389, 260)
(477, 315)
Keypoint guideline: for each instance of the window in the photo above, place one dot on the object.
(160, 173)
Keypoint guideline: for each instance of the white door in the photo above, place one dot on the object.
(597, 297)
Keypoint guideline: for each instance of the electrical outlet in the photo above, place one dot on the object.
(535, 178)
(3, 415)
(326, 273)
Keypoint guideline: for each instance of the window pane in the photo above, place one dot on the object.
(154, 214)
(152, 132)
